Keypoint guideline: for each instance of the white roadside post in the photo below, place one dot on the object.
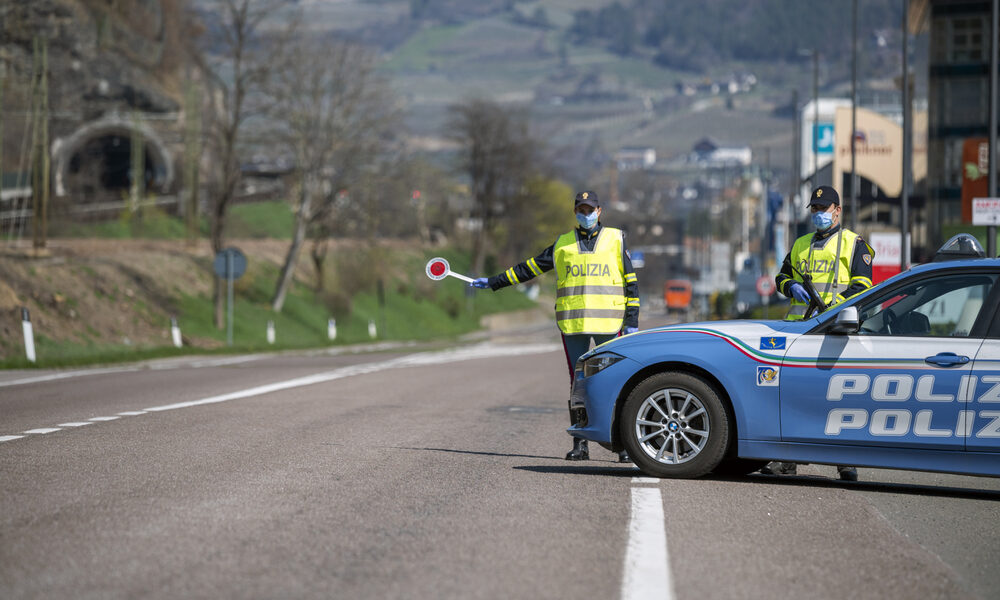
(372, 331)
(29, 335)
(270, 332)
(175, 332)
(331, 329)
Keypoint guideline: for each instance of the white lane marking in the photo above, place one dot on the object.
(647, 566)
(234, 360)
(131, 413)
(429, 358)
(42, 430)
(66, 375)
(646, 480)
(197, 364)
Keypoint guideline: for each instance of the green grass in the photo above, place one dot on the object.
(261, 220)
(415, 309)
(423, 50)
(151, 223)
(272, 219)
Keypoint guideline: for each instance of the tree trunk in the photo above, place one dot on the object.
(292, 257)
(218, 292)
(318, 254)
(479, 245)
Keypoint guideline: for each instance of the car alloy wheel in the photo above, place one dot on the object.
(674, 424)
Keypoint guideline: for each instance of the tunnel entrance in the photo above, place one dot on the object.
(94, 164)
(102, 167)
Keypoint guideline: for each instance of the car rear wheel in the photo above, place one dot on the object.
(674, 425)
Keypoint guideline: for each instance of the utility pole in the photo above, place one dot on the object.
(3, 82)
(46, 157)
(904, 198)
(138, 158)
(815, 127)
(192, 154)
(796, 179)
(854, 116)
(991, 230)
(40, 155)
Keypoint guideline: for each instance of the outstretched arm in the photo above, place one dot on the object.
(521, 272)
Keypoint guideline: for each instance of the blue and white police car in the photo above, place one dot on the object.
(903, 376)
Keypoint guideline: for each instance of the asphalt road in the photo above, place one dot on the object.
(431, 474)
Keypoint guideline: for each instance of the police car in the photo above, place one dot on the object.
(903, 376)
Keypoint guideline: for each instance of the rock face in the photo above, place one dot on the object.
(117, 76)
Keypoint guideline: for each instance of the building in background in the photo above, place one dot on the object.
(958, 122)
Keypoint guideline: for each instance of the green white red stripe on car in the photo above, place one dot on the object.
(747, 341)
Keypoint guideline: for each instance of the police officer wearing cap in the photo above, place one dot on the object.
(838, 261)
(597, 293)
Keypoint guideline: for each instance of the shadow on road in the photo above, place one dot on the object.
(577, 469)
(877, 487)
(475, 452)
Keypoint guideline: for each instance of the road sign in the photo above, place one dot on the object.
(230, 264)
(765, 285)
(438, 268)
(986, 211)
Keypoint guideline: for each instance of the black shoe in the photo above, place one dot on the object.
(580, 450)
(768, 470)
(623, 457)
(787, 468)
(847, 473)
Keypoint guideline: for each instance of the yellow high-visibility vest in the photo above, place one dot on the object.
(590, 285)
(829, 267)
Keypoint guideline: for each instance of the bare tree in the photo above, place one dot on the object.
(335, 115)
(497, 156)
(241, 63)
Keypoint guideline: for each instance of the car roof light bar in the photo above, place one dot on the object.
(960, 246)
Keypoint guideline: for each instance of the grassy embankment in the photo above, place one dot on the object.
(413, 307)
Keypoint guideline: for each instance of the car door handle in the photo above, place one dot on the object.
(947, 359)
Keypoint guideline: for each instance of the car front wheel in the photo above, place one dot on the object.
(674, 425)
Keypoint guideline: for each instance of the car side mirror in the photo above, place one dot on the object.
(846, 321)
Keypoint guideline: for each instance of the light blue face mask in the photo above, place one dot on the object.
(587, 221)
(822, 220)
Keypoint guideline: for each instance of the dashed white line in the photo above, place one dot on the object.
(647, 565)
(76, 424)
(104, 418)
(646, 480)
(131, 413)
(7, 438)
(42, 430)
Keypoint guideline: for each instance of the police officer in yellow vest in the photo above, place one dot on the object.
(838, 260)
(597, 293)
(839, 263)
